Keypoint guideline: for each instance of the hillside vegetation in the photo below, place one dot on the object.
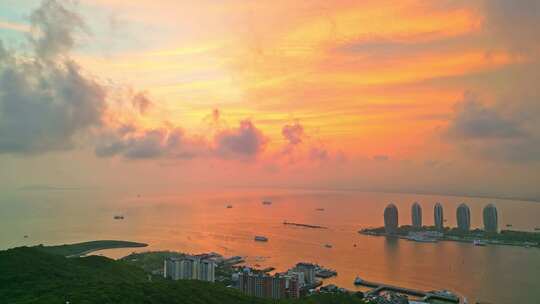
(29, 275)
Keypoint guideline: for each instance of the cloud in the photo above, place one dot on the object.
(53, 29)
(43, 106)
(131, 143)
(246, 141)
(141, 102)
(473, 120)
(490, 132)
(293, 133)
(45, 101)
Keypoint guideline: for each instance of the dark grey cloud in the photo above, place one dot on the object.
(43, 106)
(493, 132)
(246, 141)
(45, 100)
(473, 120)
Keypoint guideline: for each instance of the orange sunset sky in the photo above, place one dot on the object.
(427, 96)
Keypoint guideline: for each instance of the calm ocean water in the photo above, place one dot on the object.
(198, 222)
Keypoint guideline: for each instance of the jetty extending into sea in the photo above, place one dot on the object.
(304, 225)
(426, 296)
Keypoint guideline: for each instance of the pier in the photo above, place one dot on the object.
(426, 296)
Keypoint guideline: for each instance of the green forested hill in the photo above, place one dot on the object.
(28, 275)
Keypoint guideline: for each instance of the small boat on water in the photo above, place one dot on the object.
(358, 281)
(479, 243)
(319, 209)
(508, 225)
(229, 206)
(422, 239)
(266, 202)
(327, 245)
(260, 238)
(118, 217)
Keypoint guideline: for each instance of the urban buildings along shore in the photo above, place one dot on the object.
(416, 215)
(490, 219)
(463, 216)
(438, 216)
(189, 268)
(391, 220)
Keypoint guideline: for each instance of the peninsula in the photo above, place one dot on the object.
(84, 248)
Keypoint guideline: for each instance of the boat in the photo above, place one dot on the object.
(479, 243)
(259, 238)
(118, 217)
(319, 209)
(25, 236)
(229, 206)
(421, 239)
(327, 245)
(508, 225)
(266, 202)
(444, 292)
(358, 281)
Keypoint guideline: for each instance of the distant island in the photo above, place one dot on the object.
(84, 248)
(430, 234)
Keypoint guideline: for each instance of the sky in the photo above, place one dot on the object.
(413, 96)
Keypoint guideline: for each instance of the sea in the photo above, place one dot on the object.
(198, 221)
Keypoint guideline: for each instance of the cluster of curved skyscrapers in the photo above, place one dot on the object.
(463, 215)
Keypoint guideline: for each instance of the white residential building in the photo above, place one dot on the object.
(189, 268)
